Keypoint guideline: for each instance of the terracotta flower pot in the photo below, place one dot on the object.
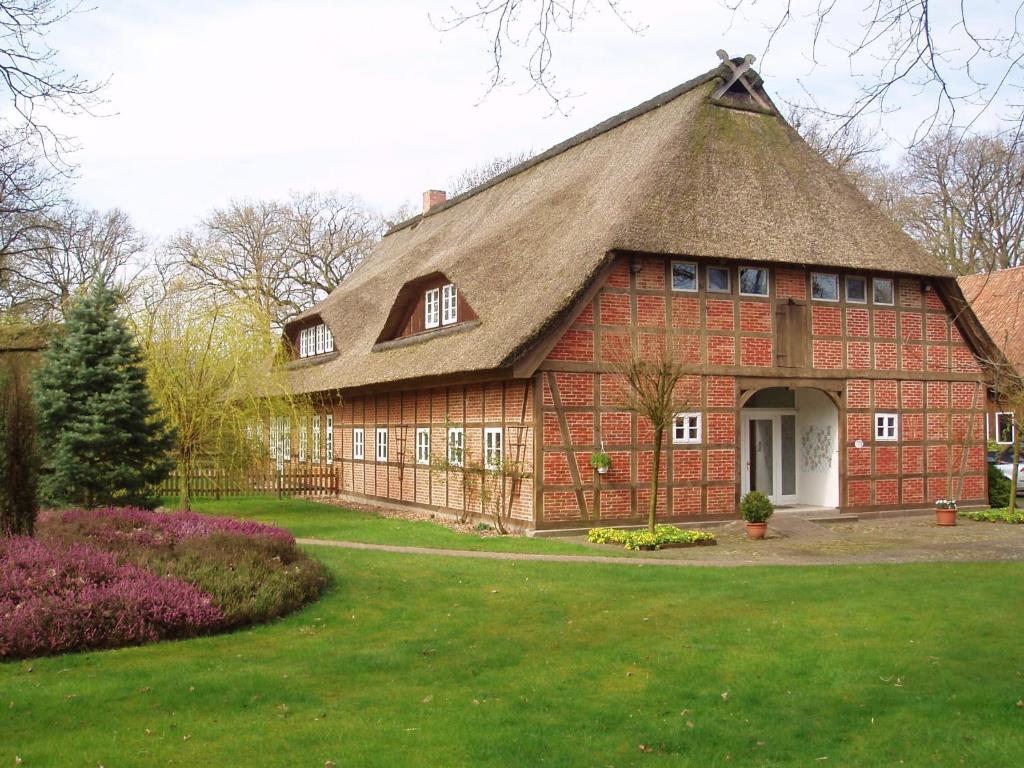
(945, 517)
(756, 530)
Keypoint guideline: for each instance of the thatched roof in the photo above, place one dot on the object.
(22, 337)
(680, 174)
(997, 298)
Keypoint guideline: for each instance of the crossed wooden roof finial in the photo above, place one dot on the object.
(739, 74)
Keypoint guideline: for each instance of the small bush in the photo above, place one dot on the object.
(998, 488)
(644, 539)
(995, 516)
(756, 507)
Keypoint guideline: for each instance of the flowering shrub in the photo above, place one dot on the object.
(644, 539)
(995, 516)
(945, 504)
(111, 526)
(111, 577)
(56, 598)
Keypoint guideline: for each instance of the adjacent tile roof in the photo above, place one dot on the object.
(998, 300)
(680, 174)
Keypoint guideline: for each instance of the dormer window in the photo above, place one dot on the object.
(428, 305)
(315, 340)
(449, 305)
(432, 308)
(441, 306)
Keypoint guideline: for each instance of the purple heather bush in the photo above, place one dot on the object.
(104, 578)
(111, 526)
(56, 598)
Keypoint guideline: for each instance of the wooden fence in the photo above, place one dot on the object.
(290, 481)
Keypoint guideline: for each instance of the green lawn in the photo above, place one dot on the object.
(433, 661)
(309, 519)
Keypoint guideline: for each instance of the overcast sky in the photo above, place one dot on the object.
(222, 99)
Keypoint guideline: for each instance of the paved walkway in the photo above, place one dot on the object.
(485, 555)
(790, 541)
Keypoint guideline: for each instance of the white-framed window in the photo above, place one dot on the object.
(422, 445)
(824, 287)
(856, 289)
(456, 446)
(382, 443)
(493, 447)
(315, 340)
(1004, 431)
(882, 290)
(887, 426)
(753, 281)
(449, 305)
(684, 276)
(284, 431)
(303, 438)
(686, 428)
(274, 440)
(329, 439)
(316, 438)
(718, 279)
(358, 442)
(432, 308)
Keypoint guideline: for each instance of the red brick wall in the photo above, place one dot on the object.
(401, 479)
(882, 354)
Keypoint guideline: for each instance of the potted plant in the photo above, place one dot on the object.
(756, 508)
(945, 512)
(601, 461)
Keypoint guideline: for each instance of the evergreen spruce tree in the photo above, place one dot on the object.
(19, 475)
(100, 438)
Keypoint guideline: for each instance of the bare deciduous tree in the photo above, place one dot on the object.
(283, 257)
(968, 200)
(531, 26)
(62, 251)
(652, 390)
(481, 174)
(329, 236)
(960, 55)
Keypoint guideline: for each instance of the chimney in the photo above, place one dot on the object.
(433, 198)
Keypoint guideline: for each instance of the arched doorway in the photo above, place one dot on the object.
(789, 447)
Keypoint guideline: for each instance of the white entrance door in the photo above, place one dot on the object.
(768, 454)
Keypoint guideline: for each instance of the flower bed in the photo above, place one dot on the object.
(107, 578)
(995, 516)
(664, 535)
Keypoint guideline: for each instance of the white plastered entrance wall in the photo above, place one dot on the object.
(789, 447)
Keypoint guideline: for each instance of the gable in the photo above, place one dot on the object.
(676, 175)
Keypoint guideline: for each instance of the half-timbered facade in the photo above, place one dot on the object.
(831, 361)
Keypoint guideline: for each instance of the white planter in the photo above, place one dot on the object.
(603, 470)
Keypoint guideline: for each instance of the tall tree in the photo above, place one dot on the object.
(329, 235)
(61, 252)
(484, 172)
(968, 199)
(208, 368)
(281, 257)
(19, 470)
(100, 437)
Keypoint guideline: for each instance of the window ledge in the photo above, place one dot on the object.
(415, 338)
